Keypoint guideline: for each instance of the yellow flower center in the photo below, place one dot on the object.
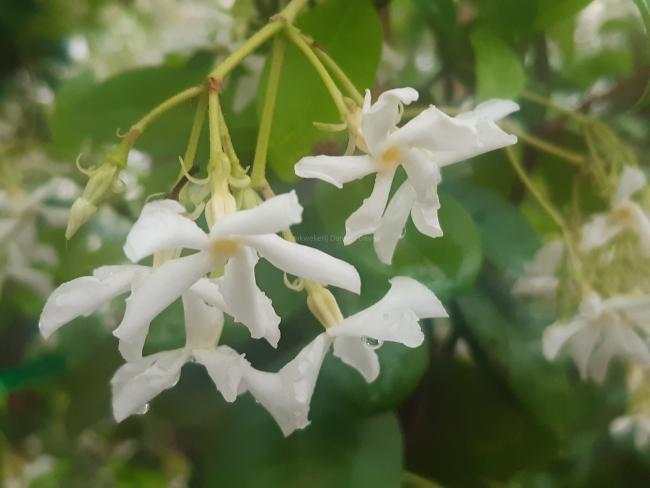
(225, 247)
(622, 214)
(390, 158)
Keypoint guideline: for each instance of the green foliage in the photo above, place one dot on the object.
(354, 43)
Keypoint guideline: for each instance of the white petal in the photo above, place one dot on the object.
(353, 352)
(226, 367)
(82, 296)
(137, 383)
(602, 355)
(597, 232)
(156, 292)
(556, 336)
(582, 346)
(395, 317)
(631, 345)
(306, 262)
(494, 110)
(366, 218)
(632, 180)
(451, 139)
(203, 323)
(161, 227)
(336, 170)
(423, 174)
(392, 224)
(209, 292)
(287, 394)
(273, 215)
(425, 217)
(37, 280)
(244, 301)
(380, 118)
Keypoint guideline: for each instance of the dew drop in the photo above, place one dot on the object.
(371, 343)
(143, 410)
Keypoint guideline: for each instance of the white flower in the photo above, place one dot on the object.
(540, 275)
(422, 146)
(137, 383)
(234, 241)
(617, 326)
(624, 215)
(287, 393)
(638, 425)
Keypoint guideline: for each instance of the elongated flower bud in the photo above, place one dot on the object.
(323, 305)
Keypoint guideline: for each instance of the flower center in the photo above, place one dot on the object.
(622, 214)
(390, 158)
(225, 247)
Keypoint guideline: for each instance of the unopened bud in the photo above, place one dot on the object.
(323, 305)
(80, 212)
(221, 203)
(248, 198)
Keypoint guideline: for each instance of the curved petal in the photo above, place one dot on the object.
(336, 170)
(451, 139)
(137, 383)
(274, 215)
(425, 218)
(366, 218)
(494, 110)
(423, 174)
(353, 352)
(582, 346)
(203, 323)
(82, 296)
(306, 262)
(632, 180)
(161, 227)
(556, 336)
(287, 394)
(157, 291)
(597, 232)
(244, 301)
(392, 224)
(380, 118)
(226, 367)
(209, 292)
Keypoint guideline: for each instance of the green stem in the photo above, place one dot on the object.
(296, 37)
(574, 256)
(540, 100)
(216, 148)
(195, 134)
(340, 74)
(545, 146)
(277, 22)
(258, 175)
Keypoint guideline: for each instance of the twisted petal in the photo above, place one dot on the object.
(451, 139)
(353, 352)
(154, 294)
(137, 383)
(82, 296)
(380, 118)
(582, 345)
(209, 292)
(392, 224)
(245, 301)
(395, 317)
(425, 218)
(540, 275)
(287, 394)
(423, 174)
(161, 227)
(336, 170)
(273, 215)
(492, 110)
(632, 180)
(203, 323)
(226, 367)
(366, 218)
(306, 262)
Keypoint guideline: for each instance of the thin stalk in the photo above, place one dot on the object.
(216, 148)
(340, 74)
(540, 100)
(258, 174)
(296, 37)
(548, 147)
(195, 133)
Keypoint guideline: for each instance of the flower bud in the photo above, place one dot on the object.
(248, 198)
(222, 203)
(323, 305)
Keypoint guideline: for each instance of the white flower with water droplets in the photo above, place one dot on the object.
(235, 241)
(422, 147)
(602, 329)
(287, 393)
(625, 214)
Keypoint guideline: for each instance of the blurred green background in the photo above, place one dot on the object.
(477, 405)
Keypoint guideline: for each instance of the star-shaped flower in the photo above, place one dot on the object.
(287, 393)
(422, 147)
(603, 329)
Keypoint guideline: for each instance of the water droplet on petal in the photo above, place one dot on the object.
(143, 410)
(371, 343)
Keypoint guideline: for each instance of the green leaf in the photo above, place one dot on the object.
(351, 33)
(335, 450)
(552, 12)
(88, 110)
(499, 70)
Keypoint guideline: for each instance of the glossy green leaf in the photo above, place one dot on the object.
(499, 70)
(351, 33)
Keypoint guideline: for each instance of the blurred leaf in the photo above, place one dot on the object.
(87, 110)
(351, 33)
(552, 11)
(335, 450)
(644, 8)
(32, 371)
(441, 14)
(499, 71)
